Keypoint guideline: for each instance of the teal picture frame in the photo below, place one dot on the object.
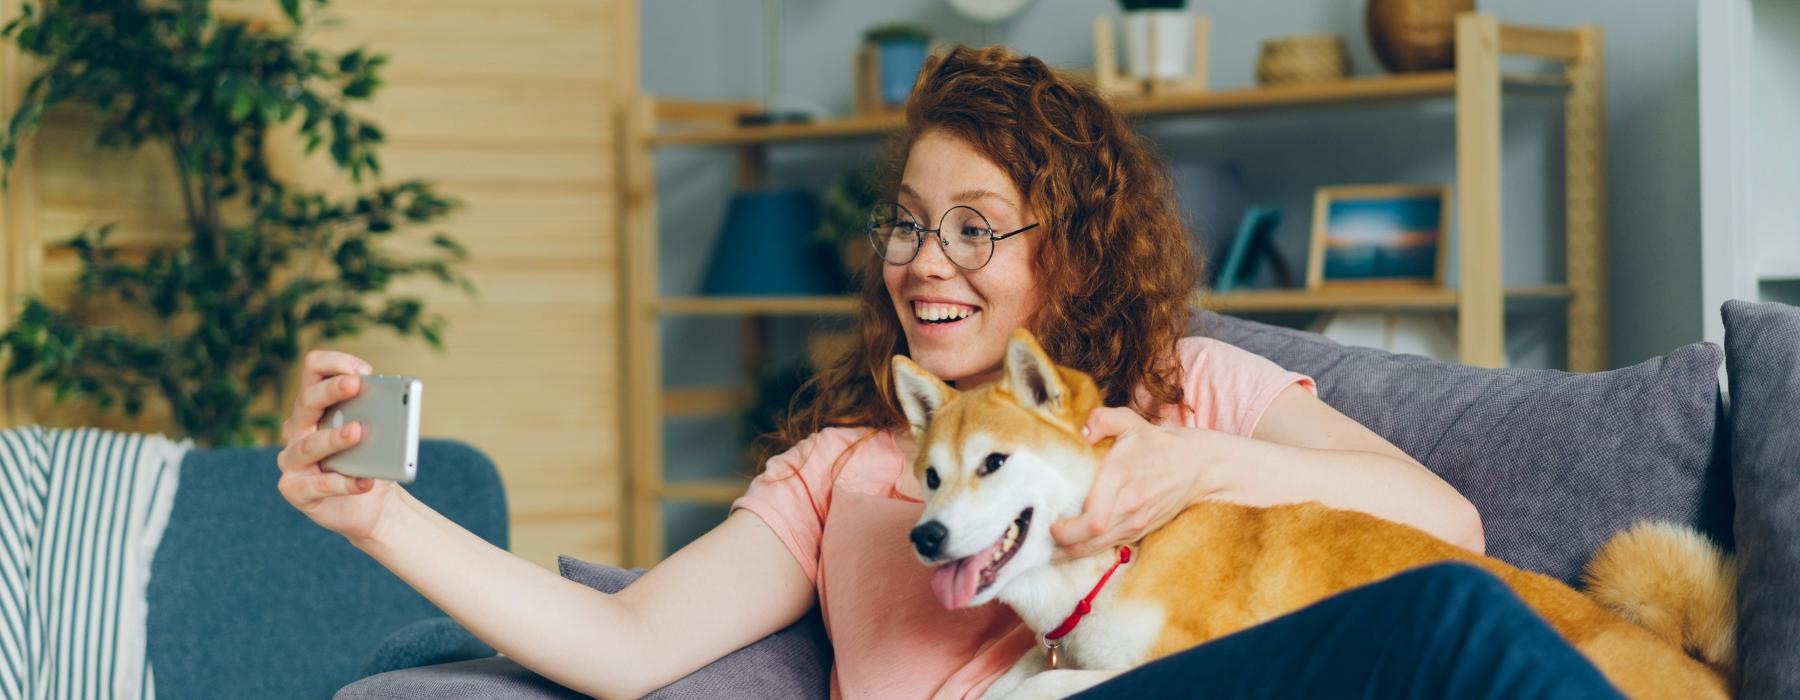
(1254, 233)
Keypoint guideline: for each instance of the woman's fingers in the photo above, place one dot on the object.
(314, 398)
(318, 485)
(1079, 534)
(308, 451)
(320, 364)
(1110, 421)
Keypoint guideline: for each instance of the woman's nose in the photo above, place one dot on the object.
(932, 262)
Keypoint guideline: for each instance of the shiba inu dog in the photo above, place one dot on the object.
(1000, 463)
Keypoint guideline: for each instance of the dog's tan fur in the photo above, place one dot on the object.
(1219, 568)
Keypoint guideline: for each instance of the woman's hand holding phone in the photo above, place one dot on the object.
(350, 506)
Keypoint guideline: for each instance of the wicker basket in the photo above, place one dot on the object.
(1415, 35)
(1310, 58)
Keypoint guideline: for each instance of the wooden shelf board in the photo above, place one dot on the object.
(710, 492)
(1351, 90)
(1371, 298)
(738, 306)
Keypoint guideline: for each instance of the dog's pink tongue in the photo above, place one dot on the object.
(955, 582)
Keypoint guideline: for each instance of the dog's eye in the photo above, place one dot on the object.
(991, 464)
(931, 479)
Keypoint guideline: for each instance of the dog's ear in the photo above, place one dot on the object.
(1031, 376)
(921, 393)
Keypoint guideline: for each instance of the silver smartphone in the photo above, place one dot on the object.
(388, 408)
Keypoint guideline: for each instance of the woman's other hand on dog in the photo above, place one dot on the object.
(1151, 474)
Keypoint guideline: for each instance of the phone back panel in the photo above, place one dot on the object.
(388, 408)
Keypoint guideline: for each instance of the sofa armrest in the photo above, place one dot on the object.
(794, 663)
(428, 642)
(475, 679)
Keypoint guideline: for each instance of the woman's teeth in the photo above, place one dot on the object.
(941, 312)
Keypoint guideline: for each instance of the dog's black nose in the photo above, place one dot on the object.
(929, 538)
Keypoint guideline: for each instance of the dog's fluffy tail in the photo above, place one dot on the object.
(1674, 582)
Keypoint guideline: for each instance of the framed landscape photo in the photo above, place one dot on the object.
(1369, 235)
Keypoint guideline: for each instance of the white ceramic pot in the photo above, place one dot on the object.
(1158, 44)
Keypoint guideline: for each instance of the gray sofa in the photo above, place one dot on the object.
(1554, 461)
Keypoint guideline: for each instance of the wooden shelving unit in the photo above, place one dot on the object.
(1479, 301)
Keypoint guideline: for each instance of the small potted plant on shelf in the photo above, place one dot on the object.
(1158, 40)
(844, 216)
(887, 64)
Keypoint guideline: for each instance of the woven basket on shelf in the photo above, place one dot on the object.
(1309, 58)
(1415, 35)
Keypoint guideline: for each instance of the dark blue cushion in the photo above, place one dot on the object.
(249, 598)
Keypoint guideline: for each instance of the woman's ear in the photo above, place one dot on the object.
(921, 393)
(1031, 376)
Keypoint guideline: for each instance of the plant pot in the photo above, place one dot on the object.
(1158, 44)
(900, 61)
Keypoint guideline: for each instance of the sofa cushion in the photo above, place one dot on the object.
(1762, 350)
(1555, 462)
(792, 663)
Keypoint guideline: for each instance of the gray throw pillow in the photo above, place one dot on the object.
(1555, 462)
(1762, 350)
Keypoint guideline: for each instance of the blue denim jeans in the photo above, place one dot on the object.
(1440, 631)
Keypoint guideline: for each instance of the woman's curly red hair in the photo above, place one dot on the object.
(1115, 262)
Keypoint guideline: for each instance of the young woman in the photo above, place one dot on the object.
(1019, 199)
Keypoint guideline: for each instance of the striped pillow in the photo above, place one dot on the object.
(81, 513)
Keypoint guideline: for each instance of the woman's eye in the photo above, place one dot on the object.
(974, 232)
(931, 479)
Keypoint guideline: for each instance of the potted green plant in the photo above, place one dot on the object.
(1158, 39)
(267, 267)
(844, 215)
(900, 49)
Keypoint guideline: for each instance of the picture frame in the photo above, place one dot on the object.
(1252, 245)
(1379, 235)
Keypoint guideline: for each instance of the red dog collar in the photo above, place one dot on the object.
(1087, 604)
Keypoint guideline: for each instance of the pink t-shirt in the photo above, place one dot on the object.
(890, 636)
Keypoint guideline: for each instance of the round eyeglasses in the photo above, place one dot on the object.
(897, 235)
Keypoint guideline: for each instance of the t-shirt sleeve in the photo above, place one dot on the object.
(1229, 388)
(793, 493)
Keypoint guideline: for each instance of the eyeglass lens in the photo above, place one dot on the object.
(966, 235)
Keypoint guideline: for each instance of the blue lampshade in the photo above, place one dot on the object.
(767, 247)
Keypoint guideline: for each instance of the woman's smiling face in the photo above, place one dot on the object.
(971, 312)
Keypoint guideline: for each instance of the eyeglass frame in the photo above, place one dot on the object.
(938, 232)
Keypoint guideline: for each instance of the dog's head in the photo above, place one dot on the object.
(999, 464)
